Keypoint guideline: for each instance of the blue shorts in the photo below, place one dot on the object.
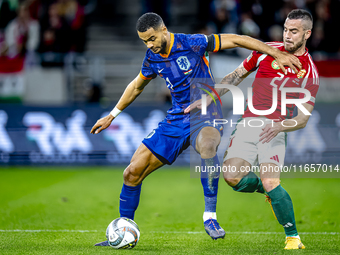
(169, 140)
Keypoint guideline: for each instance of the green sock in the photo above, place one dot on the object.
(283, 208)
(249, 183)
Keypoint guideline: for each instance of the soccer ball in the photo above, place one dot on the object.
(122, 233)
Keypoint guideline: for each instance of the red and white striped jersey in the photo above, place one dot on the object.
(270, 75)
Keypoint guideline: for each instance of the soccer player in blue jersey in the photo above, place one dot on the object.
(181, 60)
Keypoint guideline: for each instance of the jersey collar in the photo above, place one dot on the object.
(306, 52)
(172, 39)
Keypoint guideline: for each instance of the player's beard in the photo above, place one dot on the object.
(163, 46)
(296, 46)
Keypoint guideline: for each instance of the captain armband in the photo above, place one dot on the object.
(214, 43)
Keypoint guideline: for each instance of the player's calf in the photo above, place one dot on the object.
(283, 208)
(239, 175)
(270, 183)
(209, 178)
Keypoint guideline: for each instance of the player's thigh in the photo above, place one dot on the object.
(271, 159)
(208, 138)
(143, 162)
(243, 144)
(241, 154)
(168, 140)
(234, 169)
(273, 151)
(270, 175)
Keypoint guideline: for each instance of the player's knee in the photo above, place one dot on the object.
(270, 183)
(230, 179)
(208, 148)
(132, 175)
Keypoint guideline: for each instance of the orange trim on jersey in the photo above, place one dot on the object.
(217, 43)
(207, 63)
(172, 39)
(144, 77)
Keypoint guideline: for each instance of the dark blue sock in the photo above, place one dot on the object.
(210, 173)
(129, 200)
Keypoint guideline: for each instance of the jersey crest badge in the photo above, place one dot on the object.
(183, 63)
(301, 73)
(275, 65)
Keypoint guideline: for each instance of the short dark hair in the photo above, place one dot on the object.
(302, 14)
(149, 20)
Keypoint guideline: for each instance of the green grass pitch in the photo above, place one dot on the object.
(52, 205)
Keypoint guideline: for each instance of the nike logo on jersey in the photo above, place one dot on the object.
(276, 158)
(159, 71)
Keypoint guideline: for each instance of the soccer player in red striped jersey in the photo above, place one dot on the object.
(266, 145)
(250, 143)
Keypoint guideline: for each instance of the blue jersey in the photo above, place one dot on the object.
(185, 69)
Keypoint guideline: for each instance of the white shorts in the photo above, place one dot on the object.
(244, 143)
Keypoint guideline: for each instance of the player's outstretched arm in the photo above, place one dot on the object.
(131, 92)
(229, 41)
(300, 121)
(233, 78)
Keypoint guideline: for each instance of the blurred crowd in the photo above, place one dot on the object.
(264, 19)
(50, 27)
(36, 32)
(55, 27)
(45, 32)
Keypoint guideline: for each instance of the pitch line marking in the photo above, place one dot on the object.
(48, 230)
(162, 232)
(246, 233)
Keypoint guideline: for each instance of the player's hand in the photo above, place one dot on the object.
(102, 124)
(270, 131)
(197, 104)
(285, 59)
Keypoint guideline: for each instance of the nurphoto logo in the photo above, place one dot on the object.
(238, 101)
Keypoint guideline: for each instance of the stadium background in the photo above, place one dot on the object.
(73, 69)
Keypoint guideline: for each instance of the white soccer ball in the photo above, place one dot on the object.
(122, 233)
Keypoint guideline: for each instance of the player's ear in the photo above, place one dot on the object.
(164, 30)
(308, 33)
